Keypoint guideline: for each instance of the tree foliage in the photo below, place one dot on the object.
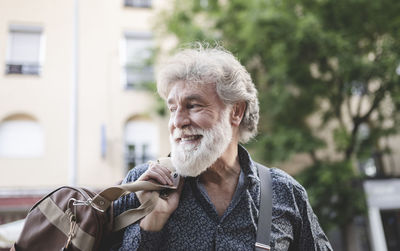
(333, 59)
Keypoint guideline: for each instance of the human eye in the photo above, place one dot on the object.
(172, 108)
(193, 105)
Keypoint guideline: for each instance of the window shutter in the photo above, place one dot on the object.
(25, 47)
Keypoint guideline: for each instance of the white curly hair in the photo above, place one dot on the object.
(204, 65)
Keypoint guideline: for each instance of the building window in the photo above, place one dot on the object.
(24, 50)
(391, 227)
(141, 142)
(21, 137)
(137, 67)
(138, 3)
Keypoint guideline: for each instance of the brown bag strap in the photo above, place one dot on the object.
(131, 216)
(103, 200)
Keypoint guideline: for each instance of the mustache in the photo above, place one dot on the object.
(179, 133)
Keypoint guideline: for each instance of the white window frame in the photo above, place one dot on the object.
(124, 57)
(147, 127)
(19, 149)
(381, 195)
(25, 67)
(138, 3)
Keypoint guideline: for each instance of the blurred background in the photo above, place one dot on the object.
(78, 104)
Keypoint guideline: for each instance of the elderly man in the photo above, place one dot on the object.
(213, 106)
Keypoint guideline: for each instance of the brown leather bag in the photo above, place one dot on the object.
(78, 219)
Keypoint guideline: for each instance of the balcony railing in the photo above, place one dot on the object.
(23, 68)
(138, 3)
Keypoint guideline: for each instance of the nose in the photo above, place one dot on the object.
(180, 119)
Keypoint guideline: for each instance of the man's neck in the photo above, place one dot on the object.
(221, 179)
(226, 167)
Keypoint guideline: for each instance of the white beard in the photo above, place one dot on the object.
(191, 160)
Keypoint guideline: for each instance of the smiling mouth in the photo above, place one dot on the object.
(189, 139)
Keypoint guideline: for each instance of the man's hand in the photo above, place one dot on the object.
(166, 205)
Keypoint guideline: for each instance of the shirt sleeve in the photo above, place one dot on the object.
(134, 238)
(310, 235)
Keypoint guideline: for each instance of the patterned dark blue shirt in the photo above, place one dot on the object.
(196, 225)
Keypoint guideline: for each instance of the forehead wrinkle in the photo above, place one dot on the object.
(191, 97)
(194, 97)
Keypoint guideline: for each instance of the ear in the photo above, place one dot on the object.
(237, 113)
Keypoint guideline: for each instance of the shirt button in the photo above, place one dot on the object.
(219, 229)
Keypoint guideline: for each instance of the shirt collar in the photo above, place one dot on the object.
(248, 166)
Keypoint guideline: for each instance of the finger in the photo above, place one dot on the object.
(156, 175)
(162, 170)
(153, 175)
(163, 174)
(167, 174)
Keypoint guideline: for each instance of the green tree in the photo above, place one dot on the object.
(331, 60)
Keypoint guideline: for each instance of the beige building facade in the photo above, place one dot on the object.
(103, 49)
